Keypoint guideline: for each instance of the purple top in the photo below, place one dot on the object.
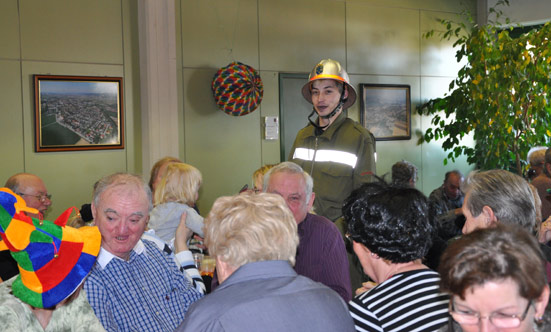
(321, 255)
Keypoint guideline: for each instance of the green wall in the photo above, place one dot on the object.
(377, 41)
(65, 37)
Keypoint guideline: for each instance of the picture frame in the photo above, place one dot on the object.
(75, 113)
(385, 110)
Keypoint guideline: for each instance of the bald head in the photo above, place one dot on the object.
(32, 189)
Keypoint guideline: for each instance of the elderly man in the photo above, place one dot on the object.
(536, 160)
(446, 202)
(542, 182)
(321, 254)
(134, 285)
(254, 240)
(33, 191)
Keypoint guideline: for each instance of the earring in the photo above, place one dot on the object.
(538, 320)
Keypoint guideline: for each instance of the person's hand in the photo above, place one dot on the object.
(458, 212)
(545, 231)
(365, 287)
(199, 242)
(182, 235)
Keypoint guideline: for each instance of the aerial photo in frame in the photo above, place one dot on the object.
(78, 113)
(386, 110)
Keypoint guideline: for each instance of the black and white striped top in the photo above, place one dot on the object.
(408, 301)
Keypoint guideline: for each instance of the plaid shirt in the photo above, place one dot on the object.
(145, 293)
(184, 260)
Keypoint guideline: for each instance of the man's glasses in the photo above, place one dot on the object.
(465, 317)
(40, 197)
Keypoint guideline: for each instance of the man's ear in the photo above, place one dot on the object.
(93, 208)
(489, 216)
(311, 202)
(345, 91)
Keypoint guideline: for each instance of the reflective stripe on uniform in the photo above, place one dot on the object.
(334, 156)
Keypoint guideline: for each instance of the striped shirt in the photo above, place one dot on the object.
(183, 259)
(146, 293)
(408, 301)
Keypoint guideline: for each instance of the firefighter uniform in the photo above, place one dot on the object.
(339, 160)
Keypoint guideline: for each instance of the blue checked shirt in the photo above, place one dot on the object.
(183, 259)
(146, 293)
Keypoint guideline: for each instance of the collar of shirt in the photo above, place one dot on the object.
(105, 256)
(259, 270)
(328, 133)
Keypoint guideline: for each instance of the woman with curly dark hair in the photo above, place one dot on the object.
(496, 281)
(391, 230)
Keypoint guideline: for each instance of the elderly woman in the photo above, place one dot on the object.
(497, 197)
(391, 232)
(496, 280)
(254, 240)
(404, 174)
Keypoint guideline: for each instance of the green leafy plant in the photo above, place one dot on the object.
(501, 96)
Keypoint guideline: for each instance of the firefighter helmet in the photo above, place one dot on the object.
(332, 70)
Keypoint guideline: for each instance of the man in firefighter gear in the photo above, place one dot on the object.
(336, 151)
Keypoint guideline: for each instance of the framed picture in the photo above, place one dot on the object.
(386, 110)
(78, 113)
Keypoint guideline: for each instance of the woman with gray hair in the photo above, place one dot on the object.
(497, 196)
(404, 174)
(253, 238)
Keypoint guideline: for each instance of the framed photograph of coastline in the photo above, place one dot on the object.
(78, 113)
(386, 110)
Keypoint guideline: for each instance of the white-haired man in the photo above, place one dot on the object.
(321, 254)
(134, 286)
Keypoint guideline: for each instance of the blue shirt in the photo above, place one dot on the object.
(146, 293)
(269, 296)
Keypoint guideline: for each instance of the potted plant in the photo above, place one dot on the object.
(502, 96)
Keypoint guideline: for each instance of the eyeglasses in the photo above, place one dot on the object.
(40, 197)
(496, 318)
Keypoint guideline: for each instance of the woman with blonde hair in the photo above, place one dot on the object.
(258, 177)
(177, 192)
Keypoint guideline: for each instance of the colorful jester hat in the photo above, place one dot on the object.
(53, 258)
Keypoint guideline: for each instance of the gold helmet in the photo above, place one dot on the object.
(329, 69)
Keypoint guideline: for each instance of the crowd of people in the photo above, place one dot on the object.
(289, 250)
